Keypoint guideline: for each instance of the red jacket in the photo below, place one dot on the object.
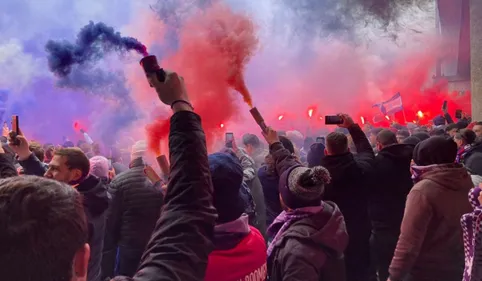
(246, 261)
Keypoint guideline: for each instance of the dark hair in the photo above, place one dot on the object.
(421, 135)
(252, 140)
(287, 143)
(403, 133)
(76, 159)
(308, 142)
(43, 225)
(413, 140)
(451, 126)
(37, 149)
(336, 143)
(386, 137)
(49, 152)
(478, 123)
(466, 135)
(68, 144)
(437, 132)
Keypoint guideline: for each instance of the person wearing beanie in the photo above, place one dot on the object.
(239, 249)
(430, 245)
(308, 238)
(315, 154)
(412, 140)
(99, 167)
(134, 211)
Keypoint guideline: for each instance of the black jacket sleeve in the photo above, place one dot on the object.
(365, 156)
(33, 166)
(282, 158)
(448, 118)
(182, 239)
(7, 169)
(112, 231)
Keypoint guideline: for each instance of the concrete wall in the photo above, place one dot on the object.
(476, 57)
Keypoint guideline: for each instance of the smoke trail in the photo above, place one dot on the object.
(93, 42)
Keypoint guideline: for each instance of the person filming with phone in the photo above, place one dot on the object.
(348, 189)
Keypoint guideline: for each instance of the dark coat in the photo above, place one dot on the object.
(7, 168)
(391, 183)
(348, 189)
(96, 203)
(311, 249)
(135, 209)
(183, 237)
(269, 182)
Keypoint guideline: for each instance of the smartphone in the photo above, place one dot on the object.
(458, 113)
(320, 140)
(229, 140)
(15, 130)
(444, 106)
(333, 120)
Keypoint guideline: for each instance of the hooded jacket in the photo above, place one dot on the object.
(311, 249)
(96, 203)
(430, 246)
(391, 183)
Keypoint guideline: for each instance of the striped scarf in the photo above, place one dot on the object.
(472, 234)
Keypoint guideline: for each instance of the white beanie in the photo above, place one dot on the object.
(139, 149)
(99, 166)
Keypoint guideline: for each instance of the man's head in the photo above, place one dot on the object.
(402, 134)
(336, 143)
(386, 138)
(451, 129)
(252, 143)
(44, 231)
(478, 129)
(139, 149)
(372, 136)
(38, 150)
(69, 165)
(296, 138)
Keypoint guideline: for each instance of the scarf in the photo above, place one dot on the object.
(462, 152)
(284, 220)
(419, 171)
(472, 234)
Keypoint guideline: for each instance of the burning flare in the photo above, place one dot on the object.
(280, 117)
(420, 114)
(310, 112)
(388, 118)
(362, 120)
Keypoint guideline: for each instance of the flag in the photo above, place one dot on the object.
(391, 106)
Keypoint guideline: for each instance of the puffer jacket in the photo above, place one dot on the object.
(135, 208)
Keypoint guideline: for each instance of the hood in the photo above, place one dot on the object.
(331, 234)
(399, 153)
(94, 190)
(339, 165)
(453, 177)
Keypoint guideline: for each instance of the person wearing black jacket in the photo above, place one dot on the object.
(390, 184)
(131, 219)
(348, 189)
(71, 166)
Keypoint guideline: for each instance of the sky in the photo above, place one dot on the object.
(301, 61)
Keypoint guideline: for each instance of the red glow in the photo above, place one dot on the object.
(420, 114)
(222, 125)
(362, 120)
(280, 117)
(215, 47)
(386, 117)
(310, 112)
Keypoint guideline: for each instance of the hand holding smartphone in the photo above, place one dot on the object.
(229, 140)
(333, 120)
(15, 130)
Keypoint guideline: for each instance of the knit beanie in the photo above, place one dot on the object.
(139, 149)
(439, 120)
(227, 178)
(435, 150)
(301, 187)
(99, 166)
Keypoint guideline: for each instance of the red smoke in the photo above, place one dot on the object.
(215, 47)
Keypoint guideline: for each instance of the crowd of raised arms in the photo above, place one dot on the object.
(361, 204)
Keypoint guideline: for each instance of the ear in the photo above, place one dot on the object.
(76, 174)
(81, 262)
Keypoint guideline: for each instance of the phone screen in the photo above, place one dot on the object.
(229, 140)
(15, 125)
(333, 120)
(458, 114)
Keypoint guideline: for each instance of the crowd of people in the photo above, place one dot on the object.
(361, 204)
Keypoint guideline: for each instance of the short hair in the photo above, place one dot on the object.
(252, 140)
(451, 126)
(403, 133)
(336, 143)
(287, 143)
(43, 225)
(38, 150)
(467, 135)
(308, 142)
(386, 137)
(76, 159)
(478, 123)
